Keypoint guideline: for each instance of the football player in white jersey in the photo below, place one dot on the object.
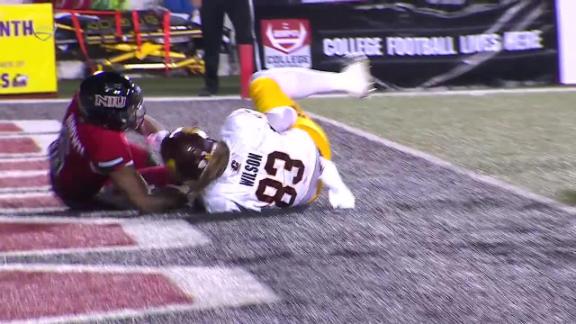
(275, 155)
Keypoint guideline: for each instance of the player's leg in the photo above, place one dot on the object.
(267, 94)
(317, 134)
(212, 16)
(296, 83)
(279, 87)
(156, 175)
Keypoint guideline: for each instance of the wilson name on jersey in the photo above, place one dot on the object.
(266, 168)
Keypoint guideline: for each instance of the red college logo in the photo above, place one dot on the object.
(286, 35)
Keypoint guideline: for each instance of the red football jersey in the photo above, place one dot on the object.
(83, 156)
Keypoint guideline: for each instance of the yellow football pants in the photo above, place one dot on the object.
(266, 94)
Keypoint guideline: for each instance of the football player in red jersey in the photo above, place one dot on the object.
(92, 151)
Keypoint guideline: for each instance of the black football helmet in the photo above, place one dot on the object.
(186, 152)
(111, 100)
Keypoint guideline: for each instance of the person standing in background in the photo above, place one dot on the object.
(212, 14)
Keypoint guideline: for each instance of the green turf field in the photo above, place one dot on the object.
(164, 86)
(524, 139)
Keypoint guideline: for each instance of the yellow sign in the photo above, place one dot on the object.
(27, 53)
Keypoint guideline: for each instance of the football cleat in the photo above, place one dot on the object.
(357, 72)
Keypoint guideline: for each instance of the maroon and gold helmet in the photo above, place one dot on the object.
(186, 152)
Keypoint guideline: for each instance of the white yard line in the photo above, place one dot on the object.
(407, 93)
(163, 233)
(23, 173)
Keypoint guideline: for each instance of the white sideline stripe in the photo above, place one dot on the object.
(23, 173)
(23, 156)
(447, 165)
(26, 195)
(12, 211)
(34, 126)
(147, 99)
(62, 219)
(209, 287)
(475, 92)
(43, 189)
(30, 159)
(25, 213)
(148, 234)
(21, 135)
(407, 93)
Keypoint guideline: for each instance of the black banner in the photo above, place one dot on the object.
(419, 43)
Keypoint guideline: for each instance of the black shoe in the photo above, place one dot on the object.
(205, 92)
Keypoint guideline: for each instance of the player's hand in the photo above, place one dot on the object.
(175, 194)
(149, 126)
(341, 198)
(338, 193)
(154, 140)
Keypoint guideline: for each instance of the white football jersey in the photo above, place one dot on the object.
(266, 168)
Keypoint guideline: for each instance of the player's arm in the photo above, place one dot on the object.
(338, 193)
(149, 126)
(131, 184)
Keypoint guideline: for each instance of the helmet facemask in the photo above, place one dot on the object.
(187, 153)
(136, 115)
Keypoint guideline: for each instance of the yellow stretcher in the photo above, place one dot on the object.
(132, 40)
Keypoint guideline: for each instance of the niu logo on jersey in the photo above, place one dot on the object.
(110, 101)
